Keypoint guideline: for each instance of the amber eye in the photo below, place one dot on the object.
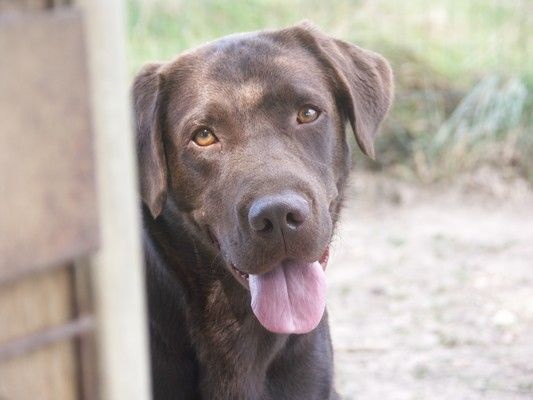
(204, 137)
(307, 114)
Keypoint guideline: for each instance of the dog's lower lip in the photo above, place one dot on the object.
(245, 276)
(242, 274)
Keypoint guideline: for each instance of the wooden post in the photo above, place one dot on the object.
(117, 267)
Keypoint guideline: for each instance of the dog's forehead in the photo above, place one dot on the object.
(243, 68)
(246, 72)
(241, 58)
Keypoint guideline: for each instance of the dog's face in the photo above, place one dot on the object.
(245, 136)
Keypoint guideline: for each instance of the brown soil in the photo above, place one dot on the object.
(431, 290)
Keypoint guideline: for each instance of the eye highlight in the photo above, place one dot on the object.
(204, 137)
(307, 114)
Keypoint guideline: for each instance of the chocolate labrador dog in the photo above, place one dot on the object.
(243, 159)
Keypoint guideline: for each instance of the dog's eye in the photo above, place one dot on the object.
(307, 114)
(204, 137)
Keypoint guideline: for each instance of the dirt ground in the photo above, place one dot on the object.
(431, 290)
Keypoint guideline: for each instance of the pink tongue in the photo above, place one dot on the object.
(291, 298)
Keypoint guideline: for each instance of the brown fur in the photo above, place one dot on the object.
(206, 343)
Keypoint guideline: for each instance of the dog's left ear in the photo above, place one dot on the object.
(363, 81)
(150, 150)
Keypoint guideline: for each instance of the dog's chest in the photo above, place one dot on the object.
(239, 359)
(234, 352)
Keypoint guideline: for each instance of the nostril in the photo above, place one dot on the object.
(265, 227)
(294, 220)
(259, 219)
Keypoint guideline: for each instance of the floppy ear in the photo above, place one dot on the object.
(150, 150)
(363, 80)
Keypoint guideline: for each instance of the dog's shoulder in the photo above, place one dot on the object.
(173, 357)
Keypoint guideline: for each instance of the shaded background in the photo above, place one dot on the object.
(430, 280)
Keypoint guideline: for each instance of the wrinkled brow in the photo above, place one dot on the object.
(289, 95)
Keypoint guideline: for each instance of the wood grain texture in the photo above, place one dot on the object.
(48, 213)
(47, 374)
(30, 306)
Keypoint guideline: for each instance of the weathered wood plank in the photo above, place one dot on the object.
(47, 374)
(23, 5)
(7, 6)
(30, 306)
(48, 205)
(117, 267)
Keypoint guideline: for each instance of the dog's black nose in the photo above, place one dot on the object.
(281, 214)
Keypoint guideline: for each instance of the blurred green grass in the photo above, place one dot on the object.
(464, 69)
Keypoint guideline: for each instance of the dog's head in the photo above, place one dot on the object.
(246, 137)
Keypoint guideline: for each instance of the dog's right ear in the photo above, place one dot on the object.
(362, 80)
(150, 149)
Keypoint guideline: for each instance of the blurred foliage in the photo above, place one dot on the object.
(464, 68)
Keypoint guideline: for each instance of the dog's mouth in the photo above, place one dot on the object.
(243, 277)
(290, 297)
